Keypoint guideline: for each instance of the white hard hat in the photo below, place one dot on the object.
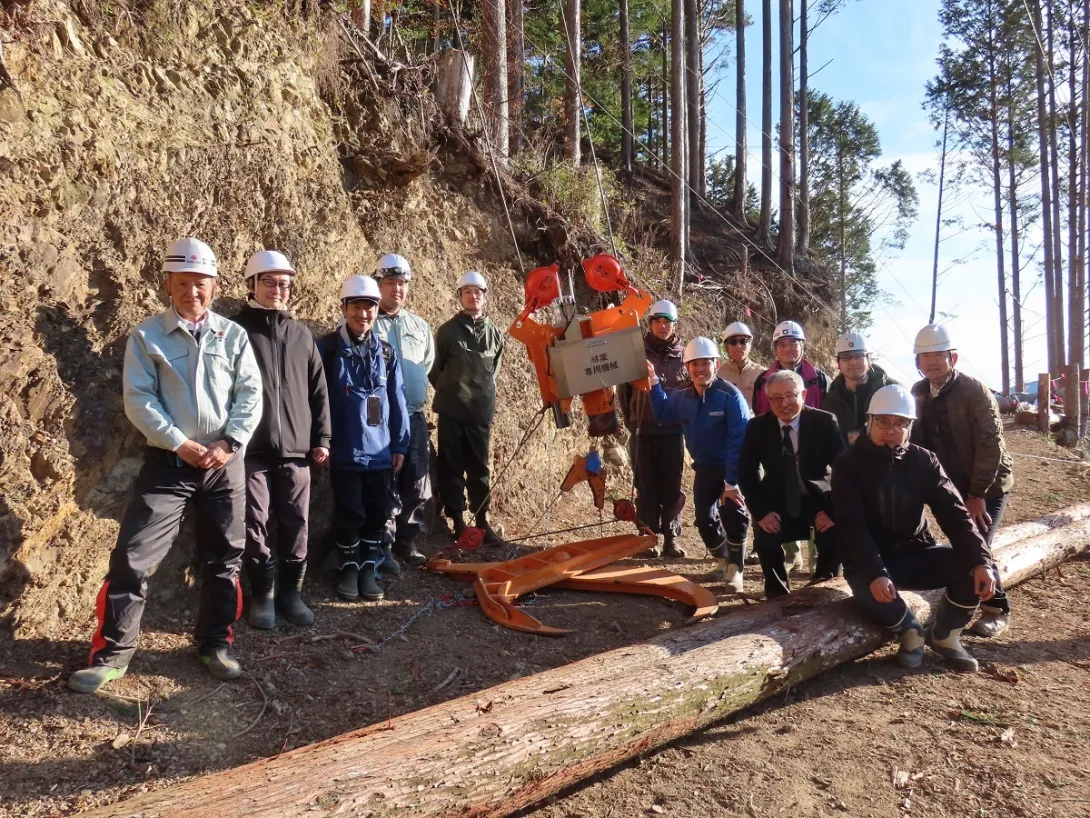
(663, 309)
(893, 400)
(700, 347)
(392, 265)
(190, 255)
(737, 328)
(268, 261)
(851, 342)
(788, 329)
(933, 338)
(359, 287)
(473, 279)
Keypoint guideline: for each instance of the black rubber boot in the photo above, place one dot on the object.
(670, 548)
(910, 633)
(262, 614)
(289, 594)
(369, 588)
(944, 635)
(389, 564)
(407, 551)
(490, 536)
(220, 662)
(348, 584)
(459, 527)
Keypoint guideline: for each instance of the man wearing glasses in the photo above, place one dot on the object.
(294, 433)
(739, 369)
(880, 487)
(788, 345)
(784, 471)
(850, 392)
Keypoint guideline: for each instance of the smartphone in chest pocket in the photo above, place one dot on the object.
(373, 410)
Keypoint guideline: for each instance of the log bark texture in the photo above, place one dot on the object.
(454, 86)
(509, 746)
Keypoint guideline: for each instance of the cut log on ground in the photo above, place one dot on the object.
(509, 746)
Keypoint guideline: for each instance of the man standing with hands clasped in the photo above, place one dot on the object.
(193, 389)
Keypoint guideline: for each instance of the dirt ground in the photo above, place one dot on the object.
(866, 739)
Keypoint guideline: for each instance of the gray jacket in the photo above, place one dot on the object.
(176, 390)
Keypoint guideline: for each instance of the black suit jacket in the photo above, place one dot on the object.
(761, 465)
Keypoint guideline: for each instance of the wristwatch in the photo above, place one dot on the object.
(234, 444)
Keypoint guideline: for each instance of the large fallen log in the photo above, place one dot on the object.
(506, 747)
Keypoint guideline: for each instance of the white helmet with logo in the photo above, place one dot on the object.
(267, 261)
(663, 309)
(736, 329)
(893, 400)
(473, 279)
(392, 265)
(933, 338)
(700, 347)
(190, 255)
(789, 330)
(851, 342)
(359, 288)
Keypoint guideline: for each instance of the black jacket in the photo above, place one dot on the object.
(467, 359)
(850, 407)
(879, 494)
(820, 442)
(635, 405)
(295, 402)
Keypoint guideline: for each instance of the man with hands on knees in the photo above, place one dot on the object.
(193, 389)
(880, 487)
(713, 416)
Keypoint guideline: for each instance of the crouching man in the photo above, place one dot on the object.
(370, 435)
(880, 487)
(193, 389)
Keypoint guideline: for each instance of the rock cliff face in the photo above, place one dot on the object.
(130, 124)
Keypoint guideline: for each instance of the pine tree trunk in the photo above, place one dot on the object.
(739, 203)
(494, 56)
(1074, 295)
(997, 202)
(679, 164)
(692, 112)
(573, 104)
(1016, 272)
(1054, 169)
(938, 218)
(803, 238)
(1051, 316)
(1084, 174)
(516, 76)
(702, 188)
(665, 130)
(764, 229)
(626, 88)
(786, 246)
(652, 107)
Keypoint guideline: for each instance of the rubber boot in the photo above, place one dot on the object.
(792, 557)
(944, 635)
(369, 588)
(289, 594)
(670, 548)
(459, 526)
(654, 552)
(719, 572)
(490, 536)
(262, 614)
(220, 662)
(732, 574)
(992, 622)
(389, 564)
(910, 633)
(348, 584)
(90, 679)
(407, 551)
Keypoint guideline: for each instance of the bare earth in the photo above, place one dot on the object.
(866, 739)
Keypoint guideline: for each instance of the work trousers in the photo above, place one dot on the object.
(770, 550)
(996, 507)
(658, 461)
(935, 567)
(162, 491)
(463, 465)
(411, 487)
(361, 507)
(277, 488)
(722, 526)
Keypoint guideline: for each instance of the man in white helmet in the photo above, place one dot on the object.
(851, 390)
(293, 434)
(959, 421)
(880, 487)
(468, 351)
(370, 435)
(658, 451)
(193, 389)
(739, 368)
(789, 345)
(713, 415)
(411, 337)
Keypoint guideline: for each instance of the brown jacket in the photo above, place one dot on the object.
(963, 428)
(742, 376)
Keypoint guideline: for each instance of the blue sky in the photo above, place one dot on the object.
(882, 53)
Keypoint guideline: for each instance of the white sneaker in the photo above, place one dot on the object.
(733, 575)
(990, 624)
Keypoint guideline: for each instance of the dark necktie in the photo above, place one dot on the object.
(791, 490)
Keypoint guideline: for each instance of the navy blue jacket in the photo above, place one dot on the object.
(355, 373)
(713, 423)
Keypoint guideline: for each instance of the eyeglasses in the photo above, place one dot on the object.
(273, 284)
(852, 356)
(886, 424)
(788, 398)
(738, 342)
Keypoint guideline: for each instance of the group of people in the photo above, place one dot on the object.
(237, 412)
(849, 463)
